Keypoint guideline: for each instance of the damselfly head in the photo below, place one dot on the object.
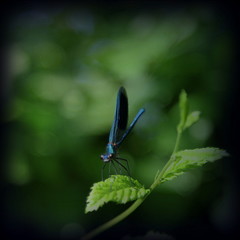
(106, 157)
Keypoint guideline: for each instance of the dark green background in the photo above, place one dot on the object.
(64, 64)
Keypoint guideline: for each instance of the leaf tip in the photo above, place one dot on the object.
(183, 93)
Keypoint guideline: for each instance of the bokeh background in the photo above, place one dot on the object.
(63, 65)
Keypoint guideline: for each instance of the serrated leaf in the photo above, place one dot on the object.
(185, 160)
(192, 118)
(183, 106)
(118, 188)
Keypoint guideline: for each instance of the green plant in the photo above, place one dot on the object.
(122, 189)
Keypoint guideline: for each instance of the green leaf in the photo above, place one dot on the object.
(117, 188)
(185, 160)
(183, 106)
(192, 118)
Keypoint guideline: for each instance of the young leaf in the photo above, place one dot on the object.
(117, 188)
(183, 105)
(192, 118)
(185, 160)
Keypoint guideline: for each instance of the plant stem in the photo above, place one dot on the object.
(179, 134)
(115, 220)
(138, 202)
(160, 175)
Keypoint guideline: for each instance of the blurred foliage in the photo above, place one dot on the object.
(65, 67)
